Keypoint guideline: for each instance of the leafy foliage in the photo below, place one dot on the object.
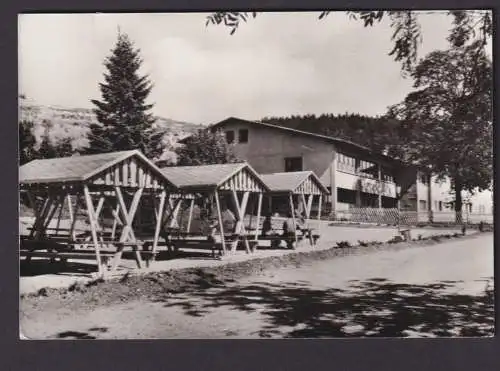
(452, 105)
(468, 26)
(377, 133)
(205, 148)
(27, 142)
(62, 148)
(123, 119)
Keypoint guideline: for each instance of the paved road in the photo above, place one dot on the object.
(426, 291)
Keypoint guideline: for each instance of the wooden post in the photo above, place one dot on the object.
(259, 207)
(190, 217)
(58, 224)
(36, 232)
(36, 210)
(50, 215)
(320, 202)
(293, 218)
(172, 206)
(98, 210)
(116, 220)
(219, 216)
(309, 206)
(333, 183)
(240, 227)
(93, 229)
(251, 214)
(74, 219)
(175, 212)
(70, 207)
(158, 222)
(128, 218)
(380, 185)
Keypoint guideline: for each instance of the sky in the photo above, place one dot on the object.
(278, 64)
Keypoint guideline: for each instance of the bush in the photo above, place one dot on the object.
(343, 245)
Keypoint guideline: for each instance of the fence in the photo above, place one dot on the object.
(393, 216)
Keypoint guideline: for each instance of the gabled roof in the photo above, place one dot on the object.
(83, 168)
(295, 182)
(238, 176)
(340, 142)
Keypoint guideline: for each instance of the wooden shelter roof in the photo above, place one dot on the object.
(237, 176)
(298, 182)
(123, 168)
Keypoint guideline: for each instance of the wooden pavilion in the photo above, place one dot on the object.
(300, 188)
(229, 185)
(114, 182)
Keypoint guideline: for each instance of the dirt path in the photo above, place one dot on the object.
(436, 290)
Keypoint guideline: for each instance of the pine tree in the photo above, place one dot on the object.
(123, 119)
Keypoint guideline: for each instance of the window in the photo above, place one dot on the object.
(387, 176)
(243, 136)
(229, 136)
(346, 163)
(440, 205)
(423, 179)
(423, 205)
(293, 164)
(368, 169)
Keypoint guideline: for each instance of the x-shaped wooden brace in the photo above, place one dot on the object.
(96, 213)
(307, 207)
(127, 234)
(174, 207)
(40, 214)
(173, 211)
(240, 224)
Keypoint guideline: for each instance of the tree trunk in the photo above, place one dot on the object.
(458, 202)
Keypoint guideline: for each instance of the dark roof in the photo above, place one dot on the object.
(206, 176)
(290, 181)
(77, 168)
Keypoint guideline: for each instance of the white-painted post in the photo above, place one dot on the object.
(93, 229)
(259, 208)
(292, 208)
(158, 222)
(219, 215)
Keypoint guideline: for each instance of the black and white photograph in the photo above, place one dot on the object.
(256, 175)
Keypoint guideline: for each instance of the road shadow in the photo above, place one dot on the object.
(369, 308)
(78, 335)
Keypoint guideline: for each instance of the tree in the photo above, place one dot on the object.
(447, 122)
(204, 148)
(50, 149)
(468, 26)
(123, 119)
(27, 142)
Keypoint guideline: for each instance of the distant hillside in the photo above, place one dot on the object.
(65, 122)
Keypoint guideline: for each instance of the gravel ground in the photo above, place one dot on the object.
(405, 289)
(42, 275)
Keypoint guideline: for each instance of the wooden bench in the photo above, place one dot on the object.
(214, 246)
(276, 239)
(197, 244)
(106, 257)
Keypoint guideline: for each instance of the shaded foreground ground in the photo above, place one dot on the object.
(429, 290)
(40, 274)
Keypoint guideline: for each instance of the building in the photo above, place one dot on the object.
(355, 175)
